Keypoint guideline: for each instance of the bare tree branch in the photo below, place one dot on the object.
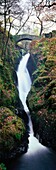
(23, 23)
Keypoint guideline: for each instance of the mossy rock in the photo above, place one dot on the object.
(52, 102)
(42, 97)
(49, 89)
(54, 33)
(8, 90)
(12, 130)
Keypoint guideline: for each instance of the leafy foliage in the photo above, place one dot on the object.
(12, 129)
(8, 90)
(42, 98)
(2, 166)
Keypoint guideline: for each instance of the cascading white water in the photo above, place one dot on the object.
(24, 85)
(38, 156)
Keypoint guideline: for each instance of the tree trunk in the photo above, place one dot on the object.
(41, 24)
(3, 40)
(41, 29)
(5, 16)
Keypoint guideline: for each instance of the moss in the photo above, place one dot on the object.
(12, 130)
(49, 88)
(9, 94)
(52, 99)
(2, 166)
(42, 98)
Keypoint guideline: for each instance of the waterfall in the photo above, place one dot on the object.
(38, 156)
(24, 85)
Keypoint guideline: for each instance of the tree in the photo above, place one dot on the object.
(38, 10)
(50, 14)
(12, 11)
(43, 10)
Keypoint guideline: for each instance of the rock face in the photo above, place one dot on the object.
(42, 97)
(13, 133)
(31, 66)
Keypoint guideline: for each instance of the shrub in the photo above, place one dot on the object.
(2, 166)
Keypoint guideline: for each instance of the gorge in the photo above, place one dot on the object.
(38, 156)
(41, 97)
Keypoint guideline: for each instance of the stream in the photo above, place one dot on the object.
(38, 157)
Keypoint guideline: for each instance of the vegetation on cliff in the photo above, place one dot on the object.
(12, 129)
(42, 98)
(11, 132)
(2, 166)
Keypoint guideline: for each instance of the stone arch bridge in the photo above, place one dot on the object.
(26, 37)
(25, 40)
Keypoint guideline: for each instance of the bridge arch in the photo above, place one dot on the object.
(22, 39)
(26, 37)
